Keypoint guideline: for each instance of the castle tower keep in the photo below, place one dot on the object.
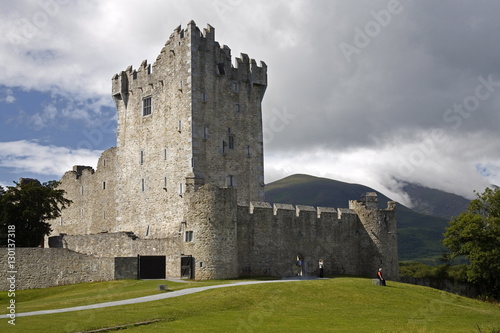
(185, 182)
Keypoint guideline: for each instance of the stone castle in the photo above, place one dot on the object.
(185, 185)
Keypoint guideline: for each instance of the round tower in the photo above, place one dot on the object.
(208, 234)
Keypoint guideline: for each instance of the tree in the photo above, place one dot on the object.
(476, 234)
(27, 206)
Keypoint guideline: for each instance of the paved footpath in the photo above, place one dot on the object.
(152, 297)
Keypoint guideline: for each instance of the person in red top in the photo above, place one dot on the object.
(380, 277)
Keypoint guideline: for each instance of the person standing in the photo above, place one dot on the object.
(321, 268)
(299, 266)
(380, 277)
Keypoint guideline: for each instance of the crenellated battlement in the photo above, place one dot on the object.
(183, 45)
(79, 170)
(280, 209)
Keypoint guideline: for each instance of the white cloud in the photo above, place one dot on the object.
(8, 96)
(366, 121)
(449, 164)
(62, 109)
(30, 156)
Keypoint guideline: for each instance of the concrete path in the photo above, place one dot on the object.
(154, 297)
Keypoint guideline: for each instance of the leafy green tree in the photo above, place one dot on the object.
(27, 206)
(476, 234)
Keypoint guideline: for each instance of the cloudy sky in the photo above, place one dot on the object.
(370, 92)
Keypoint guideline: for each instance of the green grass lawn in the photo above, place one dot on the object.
(335, 305)
(91, 293)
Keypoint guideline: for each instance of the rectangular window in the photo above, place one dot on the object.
(103, 185)
(235, 86)
(237, 107)
(203, 97)
(180, 85)
(205, 133)
(181, 188)
(165, 183)
(231, 141)
(179, 126)
(248, 152)
(141, 160)
(146, 106)
(188, 236)
(81, 190)
(165, 154)
(142, 185)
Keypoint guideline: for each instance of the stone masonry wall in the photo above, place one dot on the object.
(380, 226)
(42, 268)
(93, 194)
(211, 216)
(270, 238)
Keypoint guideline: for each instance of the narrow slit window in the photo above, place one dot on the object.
(231, 141)
(231, 181)
(224, 147)
(141, 160)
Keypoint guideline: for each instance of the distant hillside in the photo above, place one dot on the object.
(419, 235)
(435, 202)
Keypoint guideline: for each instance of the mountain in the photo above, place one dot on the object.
(419, 235)
(435, 202)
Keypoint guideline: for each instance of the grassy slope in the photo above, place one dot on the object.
(419, 236)
(91, 293)
(336, 305)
